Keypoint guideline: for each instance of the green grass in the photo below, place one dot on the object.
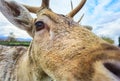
(15, 43)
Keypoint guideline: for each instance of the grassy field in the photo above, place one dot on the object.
(15, 43)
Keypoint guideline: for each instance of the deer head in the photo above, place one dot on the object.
(61, 47)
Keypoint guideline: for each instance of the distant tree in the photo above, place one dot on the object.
(108, 39)
(88, 27)
(11, 37)
(119, 41)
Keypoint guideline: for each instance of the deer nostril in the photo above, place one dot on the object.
(39, 25)
(114, 68)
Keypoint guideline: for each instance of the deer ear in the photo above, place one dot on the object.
(17, 14)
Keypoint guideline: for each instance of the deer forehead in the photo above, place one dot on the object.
(56, 24)
(54, 17)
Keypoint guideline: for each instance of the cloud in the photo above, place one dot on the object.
(30, 2)
(2, 19)
(6, 27)
(104, 17)
(111, 29)
(96, 10)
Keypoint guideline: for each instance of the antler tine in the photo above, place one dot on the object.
(76, 10)
(81, 18)
(71, 5)
(45, 4)
(31, 8)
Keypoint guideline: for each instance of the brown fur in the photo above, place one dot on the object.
(65, 51)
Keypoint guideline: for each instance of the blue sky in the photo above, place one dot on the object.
(102, 15)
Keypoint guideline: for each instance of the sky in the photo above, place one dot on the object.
(102, 15)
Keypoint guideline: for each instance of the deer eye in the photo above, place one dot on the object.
(39, 25)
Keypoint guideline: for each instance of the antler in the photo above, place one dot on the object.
(76, 10)
(45, 4)
(71, 5)
(81, 18)
(32, 8)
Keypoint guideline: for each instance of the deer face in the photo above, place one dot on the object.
(59, 41)
(50, 29)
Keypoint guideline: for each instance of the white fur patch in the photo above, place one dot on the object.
(52, 35)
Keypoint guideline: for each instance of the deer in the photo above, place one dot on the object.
(61, 49)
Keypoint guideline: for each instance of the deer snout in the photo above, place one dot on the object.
(107, 71)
